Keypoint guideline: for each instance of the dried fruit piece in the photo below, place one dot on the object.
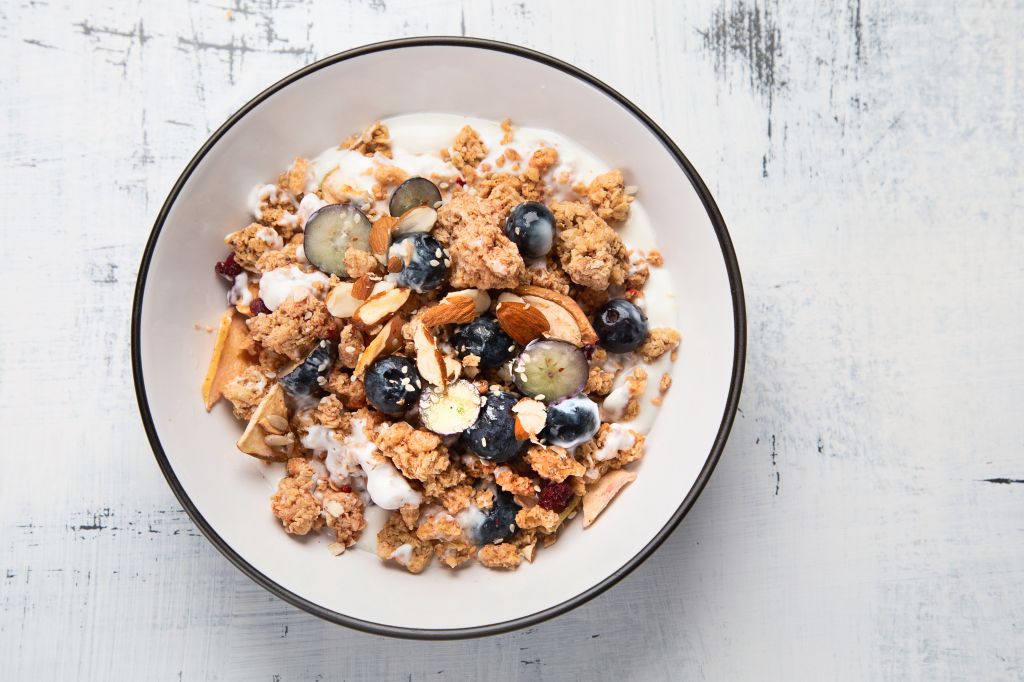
(602, 492)
(456, 310)
(380, 306)
(260, 443)
(587, 333)
(229, 358)
(521, 321)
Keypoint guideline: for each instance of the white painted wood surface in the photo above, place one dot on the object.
(867, 519)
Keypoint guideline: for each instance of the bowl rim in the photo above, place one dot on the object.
(728, 416)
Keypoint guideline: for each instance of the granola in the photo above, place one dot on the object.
(430, 362)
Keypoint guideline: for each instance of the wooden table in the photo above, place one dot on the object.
(867, 518)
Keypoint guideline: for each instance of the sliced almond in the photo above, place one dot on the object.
(380, 306)
(419, 219)
(529, 551)
(481, 299)
(531, 415)
(388, 340)
(229, 359)
(453, 368)
(563, 325)
(587, 333)
(456, 310)
(521, 321)
(429, 360)
(362, 288)
(602, 492)
(340, 302)
(394, 264)
(380, 235)
(509, 297)
(256, 440)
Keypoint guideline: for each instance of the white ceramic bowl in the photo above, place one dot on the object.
(225, 492)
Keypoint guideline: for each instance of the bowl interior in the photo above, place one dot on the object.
(230, 491)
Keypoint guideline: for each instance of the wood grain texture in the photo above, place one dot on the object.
(867, 519)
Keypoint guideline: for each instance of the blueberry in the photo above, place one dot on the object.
(331, 231)
(412, 193)
(532, 227)
(484, 338)
(571, 422)
(550, 369)
(493, 435)
(621, 327)
(304, 381)
(424, 262)
(392, 384)
(500, 522)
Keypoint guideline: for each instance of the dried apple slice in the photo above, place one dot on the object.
(230, 357)
(270, 412)
(602, 492)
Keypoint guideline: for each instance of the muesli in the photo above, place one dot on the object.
(439, 332)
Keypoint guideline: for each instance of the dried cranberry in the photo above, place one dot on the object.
(460, 181)
(258, 307)
(344, 488)
(228, 268)
(555, 496)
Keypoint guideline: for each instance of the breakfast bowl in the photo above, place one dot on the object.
(177, 303)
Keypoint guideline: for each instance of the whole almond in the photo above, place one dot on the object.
(387, 340)
(380, 234)
(380, 306)
(454, 310)
(521, 321)
(587, 333)
(363, 287)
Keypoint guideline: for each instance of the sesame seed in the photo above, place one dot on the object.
(539, 396)
(321, 380)
(447, 263)
(352, 349)
(434, 262)
(483, 441)
(438, 253)
(405, 369)
(409, 388)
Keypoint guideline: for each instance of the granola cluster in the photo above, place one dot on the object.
(298, 360)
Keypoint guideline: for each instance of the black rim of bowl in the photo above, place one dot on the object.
(739, 351)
